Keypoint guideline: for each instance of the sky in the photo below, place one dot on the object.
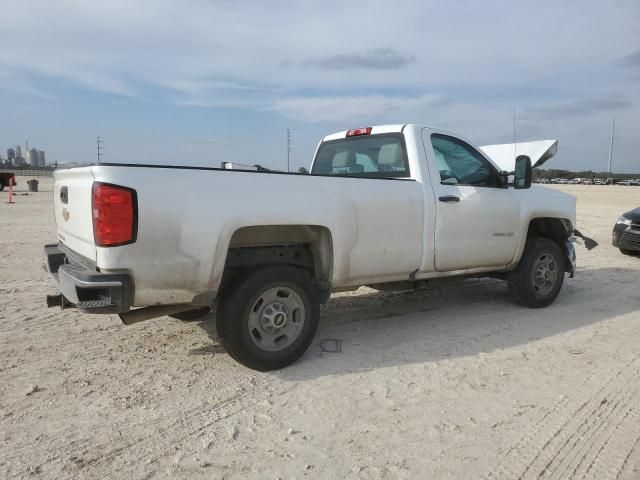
(195, 82)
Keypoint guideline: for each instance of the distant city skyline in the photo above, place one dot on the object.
(199, 83)
(15, 157)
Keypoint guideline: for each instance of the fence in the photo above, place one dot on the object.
(28, 172)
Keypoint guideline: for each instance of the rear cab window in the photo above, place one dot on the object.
(370, 156)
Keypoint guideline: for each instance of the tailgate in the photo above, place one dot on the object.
(72, 204)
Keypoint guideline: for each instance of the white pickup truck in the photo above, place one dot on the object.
(394, 204)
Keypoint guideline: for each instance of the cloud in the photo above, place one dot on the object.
(217, 93)
(378, 59)
(19, 84)
(265, 65)
(585, 106)
(377, 108)
(131, 48)
(630, 61)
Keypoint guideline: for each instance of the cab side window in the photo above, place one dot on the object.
(461, 164)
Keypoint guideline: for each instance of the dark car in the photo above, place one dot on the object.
(5, 178)
(626, 233)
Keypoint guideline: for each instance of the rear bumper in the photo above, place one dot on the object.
(85, 288)
(626, 237)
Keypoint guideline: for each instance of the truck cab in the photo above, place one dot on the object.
(473, 215)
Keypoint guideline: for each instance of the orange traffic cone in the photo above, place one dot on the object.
(11, 190)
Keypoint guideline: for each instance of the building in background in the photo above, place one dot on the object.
(35, 157)
(20, 160)
(32, 157)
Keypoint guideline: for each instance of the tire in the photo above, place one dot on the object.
(1, 186)
(192, 315)
(631, 253)
(268, 317)
(538, 278)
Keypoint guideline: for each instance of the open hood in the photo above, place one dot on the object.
(504, 154)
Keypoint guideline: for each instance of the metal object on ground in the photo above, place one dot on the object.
(331, 345)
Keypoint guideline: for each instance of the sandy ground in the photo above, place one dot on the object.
(454, 381)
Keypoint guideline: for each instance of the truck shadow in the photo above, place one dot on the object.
(453, 319)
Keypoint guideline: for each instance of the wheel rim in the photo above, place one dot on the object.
(545, 274)
(276, 319)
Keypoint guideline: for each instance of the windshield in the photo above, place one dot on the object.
(377, 156)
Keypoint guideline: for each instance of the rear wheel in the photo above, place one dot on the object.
(267, 319)
(538, 278)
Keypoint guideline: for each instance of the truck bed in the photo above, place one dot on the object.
(187, 218)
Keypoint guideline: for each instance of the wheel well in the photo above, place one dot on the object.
(556, 229)
(306, 246)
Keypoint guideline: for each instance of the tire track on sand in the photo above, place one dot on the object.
(570, 438)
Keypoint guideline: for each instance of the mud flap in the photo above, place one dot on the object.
(571, 258)
(589, 243)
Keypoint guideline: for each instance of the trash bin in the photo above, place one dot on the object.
(33, 185)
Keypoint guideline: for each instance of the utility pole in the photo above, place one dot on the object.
(100, 148)
(288, 150)
(613, 129)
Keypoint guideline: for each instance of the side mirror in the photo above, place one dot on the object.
(523, 173)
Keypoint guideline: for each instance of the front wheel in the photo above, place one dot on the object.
(538, 278)
(267, 319)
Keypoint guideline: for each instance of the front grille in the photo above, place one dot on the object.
(629, 240)
(635, 225)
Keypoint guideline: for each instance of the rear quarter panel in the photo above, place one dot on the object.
(187, 218)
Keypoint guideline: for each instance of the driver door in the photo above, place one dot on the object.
(476, 216)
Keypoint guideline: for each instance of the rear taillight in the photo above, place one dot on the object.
(358, 131)
(114, 215)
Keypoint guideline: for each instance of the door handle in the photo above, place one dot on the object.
(449, 199)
